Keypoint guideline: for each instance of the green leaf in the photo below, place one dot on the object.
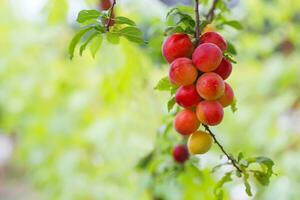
(89, 39)
(267, 162)
(229, 57)
(171, 104)
(144, 162)
(240, 156)
(218, 191)
(233, 105)
(133, 34)
(124, 20)
(96, 44)
(113, 37)
(173, 29)
(247, 184)
(234, 24)
(76, 40)
(85, 15)
(164, 84)
(231, 49)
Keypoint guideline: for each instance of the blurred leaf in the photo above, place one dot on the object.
(85, 15)
(234, 24)
(133, 34)
(96, 44)
(240, 156)
(171, 104)
(173, 29)
(124, 20)
(76, 40)
(233, 105)
(246, 183)
(218, 191)
(231, 49)
(144, 162)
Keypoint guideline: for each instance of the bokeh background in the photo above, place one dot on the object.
(74, 130)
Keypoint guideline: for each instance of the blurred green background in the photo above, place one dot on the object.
(74, 130)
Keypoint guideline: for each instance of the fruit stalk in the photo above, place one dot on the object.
(110, 14)
(197, 26)
(232, 160)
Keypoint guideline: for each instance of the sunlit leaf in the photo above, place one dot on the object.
(133, 34)
(76, 40)
(124, 20)
(85, 15)
(96, 44)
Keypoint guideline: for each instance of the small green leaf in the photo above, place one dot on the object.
(113, 37)
(234, 24)
(231, 48)
(89, 39)
(96, 44)
(240, 156)
(85, 15)
(233, 105)
(164, 84)
(247, 184)
(218, 191)
(144, 162)
(171, 104)
(133, 34)
(76, 40)
(124, 20)
(229, 57)
(173, 29)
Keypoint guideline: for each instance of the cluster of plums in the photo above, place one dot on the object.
(199, 73)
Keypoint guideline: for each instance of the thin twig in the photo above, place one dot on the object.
(197, 25)
(211, 13)
(232, 160)
(111, 10)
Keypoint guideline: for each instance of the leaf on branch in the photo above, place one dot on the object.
(76, 39)
(163, 84)
(144, 162)
(173, 29)
(234, 24)
(133, 34)
(96, 44)
(113, 37)
(171, 103)
(233, 106)
(247, 184)
(89, 39)
(231, 48)
(229, 57)
(85, 15)
(218, 190)
(124, 20)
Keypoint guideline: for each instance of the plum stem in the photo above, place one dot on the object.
(197, 25)
(211, 13)
(231, 159)
(110, 13)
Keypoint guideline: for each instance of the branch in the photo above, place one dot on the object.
(110, 14)
(211, 13)
(197, 25)
(232, 160)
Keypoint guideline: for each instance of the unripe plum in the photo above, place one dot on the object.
(199, 142)
(187, 96)
(224, 69)
(215, 38)
(186, 122)
(182, 72)
(210, 112)
(180, 153)
(210, 86)
(176, 46)
(228, 96)
(207, 57)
